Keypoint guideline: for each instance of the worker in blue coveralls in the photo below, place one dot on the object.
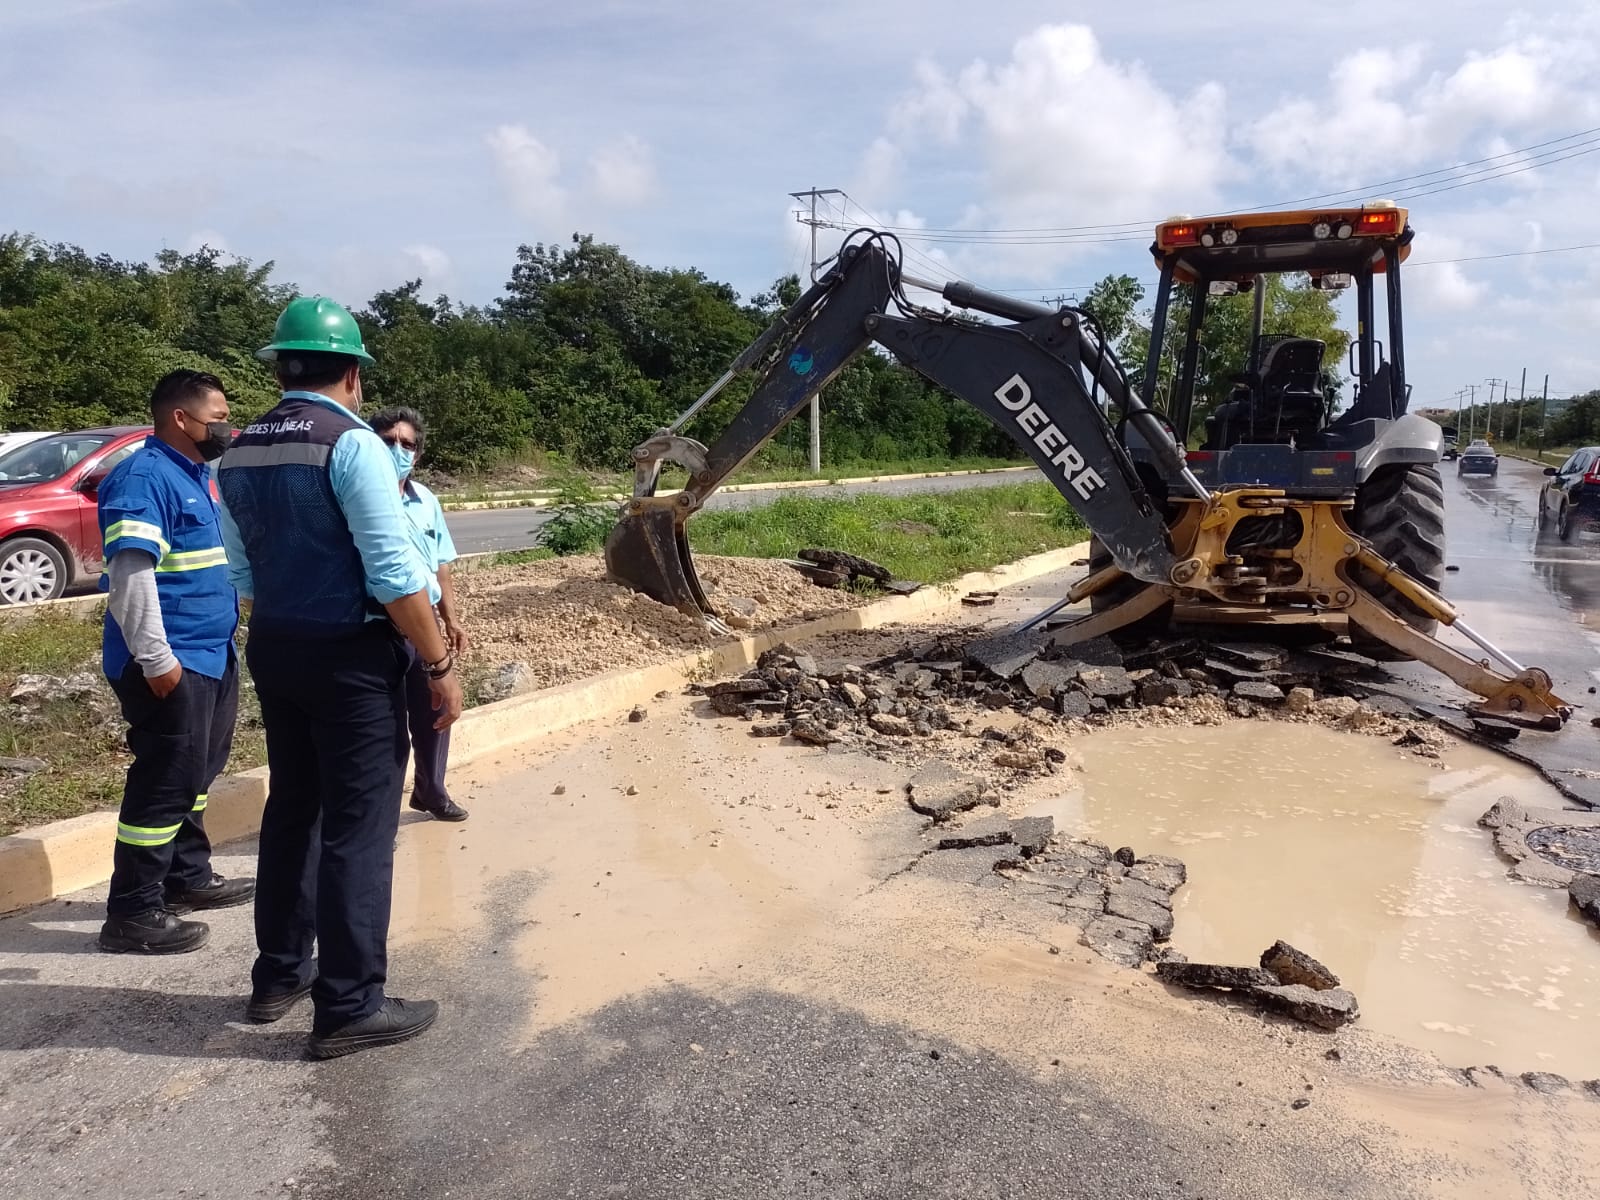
(168, 653)
(319, 544)
(402, 431)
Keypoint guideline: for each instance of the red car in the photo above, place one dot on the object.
(49, 529)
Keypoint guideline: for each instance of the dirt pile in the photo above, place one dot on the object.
(561, 620)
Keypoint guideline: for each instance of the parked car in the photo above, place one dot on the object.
(1479, 458)
(1570, 497)
(10, 441)
(49, 529)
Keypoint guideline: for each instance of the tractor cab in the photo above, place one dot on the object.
(1281, 400)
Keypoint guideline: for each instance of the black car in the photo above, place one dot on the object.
(1478, 459)
(1570, 496)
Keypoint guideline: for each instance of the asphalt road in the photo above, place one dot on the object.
(1536, 598)
(514, 528)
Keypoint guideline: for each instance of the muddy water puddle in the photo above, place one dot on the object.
(1368, 859)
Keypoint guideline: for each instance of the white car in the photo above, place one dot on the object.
(10, 441)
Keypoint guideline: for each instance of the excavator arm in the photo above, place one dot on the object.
(1031, 376)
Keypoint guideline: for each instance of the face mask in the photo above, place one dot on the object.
(404, 459)
(219, 436)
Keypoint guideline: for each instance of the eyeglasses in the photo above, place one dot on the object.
(390, 439)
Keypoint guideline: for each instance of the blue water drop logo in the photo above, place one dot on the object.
(801, 362)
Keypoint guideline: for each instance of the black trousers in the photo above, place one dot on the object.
(334, 713)
(179, 744)
(429, 746)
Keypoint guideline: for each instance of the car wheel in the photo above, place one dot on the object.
(31, 570)
(1564, 522)
(1540, 517)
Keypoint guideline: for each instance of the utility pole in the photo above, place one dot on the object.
(1459, 395)
(1522, 404)
(1489, 424)
(816, 400)
(1472, 411)
(1544, 416)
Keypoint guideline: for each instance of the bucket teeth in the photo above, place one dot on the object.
(648, 551)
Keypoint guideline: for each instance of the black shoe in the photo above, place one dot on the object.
(448, 811)
(396, 1021)
(218, 893)
(266, 1008)
(158, 931)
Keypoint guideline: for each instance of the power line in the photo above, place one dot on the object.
(1489, 169)
(1436, 262)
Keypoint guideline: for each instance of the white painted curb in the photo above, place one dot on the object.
(64, 856)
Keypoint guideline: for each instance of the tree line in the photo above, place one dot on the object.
(584, 355)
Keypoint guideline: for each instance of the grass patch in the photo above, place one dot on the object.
(81, 740)
(777, 470)
(929, 538)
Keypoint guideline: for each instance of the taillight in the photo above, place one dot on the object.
(1594, 475)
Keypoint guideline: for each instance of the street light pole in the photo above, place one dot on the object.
(1488, 423)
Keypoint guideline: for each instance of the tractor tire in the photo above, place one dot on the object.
(1152, 625)
(1400, 510)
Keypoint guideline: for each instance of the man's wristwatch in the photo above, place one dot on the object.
(438, 670)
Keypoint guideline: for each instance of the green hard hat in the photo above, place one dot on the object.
(316, 323)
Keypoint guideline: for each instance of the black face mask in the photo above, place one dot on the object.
(219, 436)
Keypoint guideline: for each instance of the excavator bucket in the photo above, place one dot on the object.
(648, 551)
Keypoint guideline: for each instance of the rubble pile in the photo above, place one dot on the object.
(1121, 902)
(1288, 981)
(944, 688)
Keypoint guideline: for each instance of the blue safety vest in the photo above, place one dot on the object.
(160, 502)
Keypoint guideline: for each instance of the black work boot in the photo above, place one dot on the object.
(267, 1007)
(157, 931)
(448, 811)
(396, 1021)
(217, 892)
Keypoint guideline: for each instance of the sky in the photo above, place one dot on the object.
(360, 144)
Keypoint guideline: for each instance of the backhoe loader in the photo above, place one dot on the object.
(1285, 516)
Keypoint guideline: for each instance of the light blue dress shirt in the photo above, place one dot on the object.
(363, 478)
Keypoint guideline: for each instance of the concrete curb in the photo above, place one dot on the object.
(40, 864)
(781, 485)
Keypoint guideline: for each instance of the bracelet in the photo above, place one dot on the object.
(438, 670)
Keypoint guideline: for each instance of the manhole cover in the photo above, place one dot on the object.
(1576, 849)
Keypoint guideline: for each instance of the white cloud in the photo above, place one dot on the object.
(530, 171)
(623, 174)
(1379, 109)
(1436, 285)
(430, 263)
(1065, 136)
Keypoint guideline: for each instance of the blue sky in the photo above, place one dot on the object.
(360, 144)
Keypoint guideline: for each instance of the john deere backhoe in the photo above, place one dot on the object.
(1286, 515)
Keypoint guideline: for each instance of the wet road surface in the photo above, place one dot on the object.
(515, 528)
(727, 984)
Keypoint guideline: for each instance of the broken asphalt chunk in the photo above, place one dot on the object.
(1327, 1009)
(1211, 975)
(939, 791)
(1119, 939)
(1032, 834)
(1005, 655)
(1296, 966)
